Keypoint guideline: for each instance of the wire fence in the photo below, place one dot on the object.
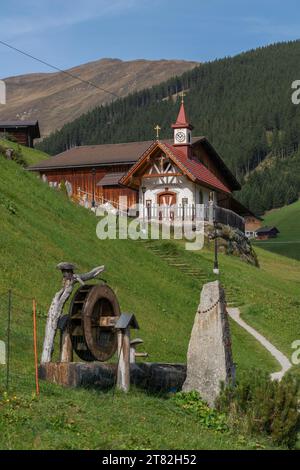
(21, 324)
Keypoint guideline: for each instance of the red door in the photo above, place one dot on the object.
(165, 201)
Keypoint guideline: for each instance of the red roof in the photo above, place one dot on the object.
(194, 169)
(182, 120)
(199, 171)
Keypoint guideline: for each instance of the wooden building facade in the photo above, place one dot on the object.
(92, 173)
(23, 132)
(265, 233)
(85, 184)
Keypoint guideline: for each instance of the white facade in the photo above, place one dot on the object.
(185, 190)
(251, 234)
(166, 193)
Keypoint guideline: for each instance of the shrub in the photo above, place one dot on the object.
(18, 157)
(168, 248)
(63, 187)
(10, 137)
(2, 150)
(8, 204)
(258, 405)
(208, 417)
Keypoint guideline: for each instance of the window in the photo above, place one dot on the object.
(185, 202)
(148, 208)
(201, 197)
(165, 165)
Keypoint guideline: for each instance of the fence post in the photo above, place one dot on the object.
(37, 386)
(8, 339)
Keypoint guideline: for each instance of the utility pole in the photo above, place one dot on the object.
(216, 261)
(8, 339)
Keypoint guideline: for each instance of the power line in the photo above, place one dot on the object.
(58, 69)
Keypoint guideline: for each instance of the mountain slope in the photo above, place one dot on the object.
(55, 98)
(242, 104)
(274, 183)
(287, 220)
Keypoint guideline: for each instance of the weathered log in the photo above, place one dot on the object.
(58, 302)
(54, 313)
(66, 348)
(154, 377)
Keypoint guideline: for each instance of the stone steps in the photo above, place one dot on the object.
(174, 261)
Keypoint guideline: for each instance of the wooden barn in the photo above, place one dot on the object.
(252, 221)
(252, 224)
(92, 172)
(264, 233)
(23, 132)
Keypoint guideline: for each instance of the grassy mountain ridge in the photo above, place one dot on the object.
(242, 104)
(57, 98)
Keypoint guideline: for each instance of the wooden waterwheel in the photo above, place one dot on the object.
(92, 316)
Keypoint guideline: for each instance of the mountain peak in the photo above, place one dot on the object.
(55, 98)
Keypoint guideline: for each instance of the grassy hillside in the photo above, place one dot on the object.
(39, 228)
(30, 155)
(287, 220)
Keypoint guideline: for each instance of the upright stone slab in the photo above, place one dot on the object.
(209, 359)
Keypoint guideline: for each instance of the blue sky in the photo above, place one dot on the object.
(71, 32)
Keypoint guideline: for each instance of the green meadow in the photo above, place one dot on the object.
(39, 228)
(287, 220)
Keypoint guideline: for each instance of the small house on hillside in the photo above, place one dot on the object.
(252, 221)
(264, 233)
(23, 132)
(252, 224)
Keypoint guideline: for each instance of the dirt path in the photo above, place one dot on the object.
(234, 313)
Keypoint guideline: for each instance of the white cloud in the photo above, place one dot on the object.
(52, 14)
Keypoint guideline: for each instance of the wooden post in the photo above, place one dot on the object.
(123, 373)
(66, 348)
(8, 339)
(132, 355)
(37, 386)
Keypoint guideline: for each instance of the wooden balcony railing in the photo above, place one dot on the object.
(209, 213)
(189, 212)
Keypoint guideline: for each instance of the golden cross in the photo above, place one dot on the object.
(157, 129)
(182, 94)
